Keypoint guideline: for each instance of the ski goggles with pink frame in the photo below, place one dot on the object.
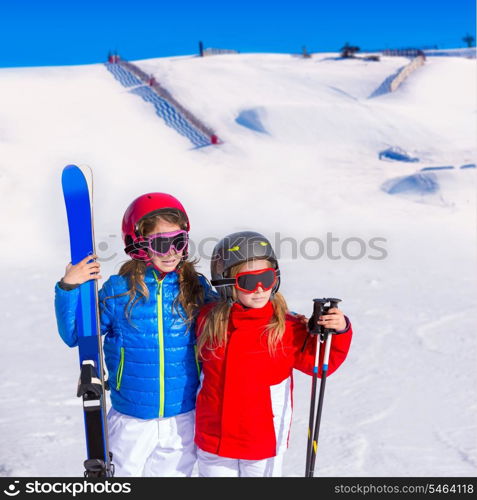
(164, 243)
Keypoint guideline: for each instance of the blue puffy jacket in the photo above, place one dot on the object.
(150, 357)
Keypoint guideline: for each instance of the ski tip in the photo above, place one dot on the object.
(79, 170)
(73, 177)
(68, 170)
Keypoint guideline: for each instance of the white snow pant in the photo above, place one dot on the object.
(159, 447)
(211, 465)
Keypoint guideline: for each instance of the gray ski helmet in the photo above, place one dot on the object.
(237, 248)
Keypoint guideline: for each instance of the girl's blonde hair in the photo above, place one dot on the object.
(191, 293)
(214, 326)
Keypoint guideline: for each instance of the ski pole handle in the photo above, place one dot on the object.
(334, 303)
(313, 326)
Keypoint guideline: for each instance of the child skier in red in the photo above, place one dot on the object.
(248, 344)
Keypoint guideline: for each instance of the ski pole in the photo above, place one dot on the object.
(315, 330)
(325, 336)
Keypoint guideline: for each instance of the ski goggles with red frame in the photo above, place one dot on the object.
(250, 281)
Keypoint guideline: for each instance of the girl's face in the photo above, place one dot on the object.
(166, 263)
(259, 298)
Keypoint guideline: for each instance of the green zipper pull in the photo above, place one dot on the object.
(119, 375)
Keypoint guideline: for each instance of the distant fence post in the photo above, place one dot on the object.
(213, 52)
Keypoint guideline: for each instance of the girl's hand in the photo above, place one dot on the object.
(87, 269)
(334, 319)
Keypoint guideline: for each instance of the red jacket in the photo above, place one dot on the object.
(234, 415)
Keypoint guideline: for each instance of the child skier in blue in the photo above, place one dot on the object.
(148, 314)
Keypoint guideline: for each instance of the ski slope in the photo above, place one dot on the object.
(300, 163)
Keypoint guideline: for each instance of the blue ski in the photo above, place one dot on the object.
(91, 386)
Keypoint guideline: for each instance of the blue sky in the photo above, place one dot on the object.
(35, 32)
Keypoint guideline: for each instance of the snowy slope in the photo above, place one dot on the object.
(299, 160)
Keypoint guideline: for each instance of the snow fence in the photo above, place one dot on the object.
(417, 62)
(168, 108)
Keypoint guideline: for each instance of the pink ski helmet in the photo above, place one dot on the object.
(142, 206)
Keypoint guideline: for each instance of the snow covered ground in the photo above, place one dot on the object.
(300, 163)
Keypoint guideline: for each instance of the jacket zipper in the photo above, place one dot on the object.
(160, 340)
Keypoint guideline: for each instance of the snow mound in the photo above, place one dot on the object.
(252, 119)
(435, 185)
(396, 153)
(417, 183)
